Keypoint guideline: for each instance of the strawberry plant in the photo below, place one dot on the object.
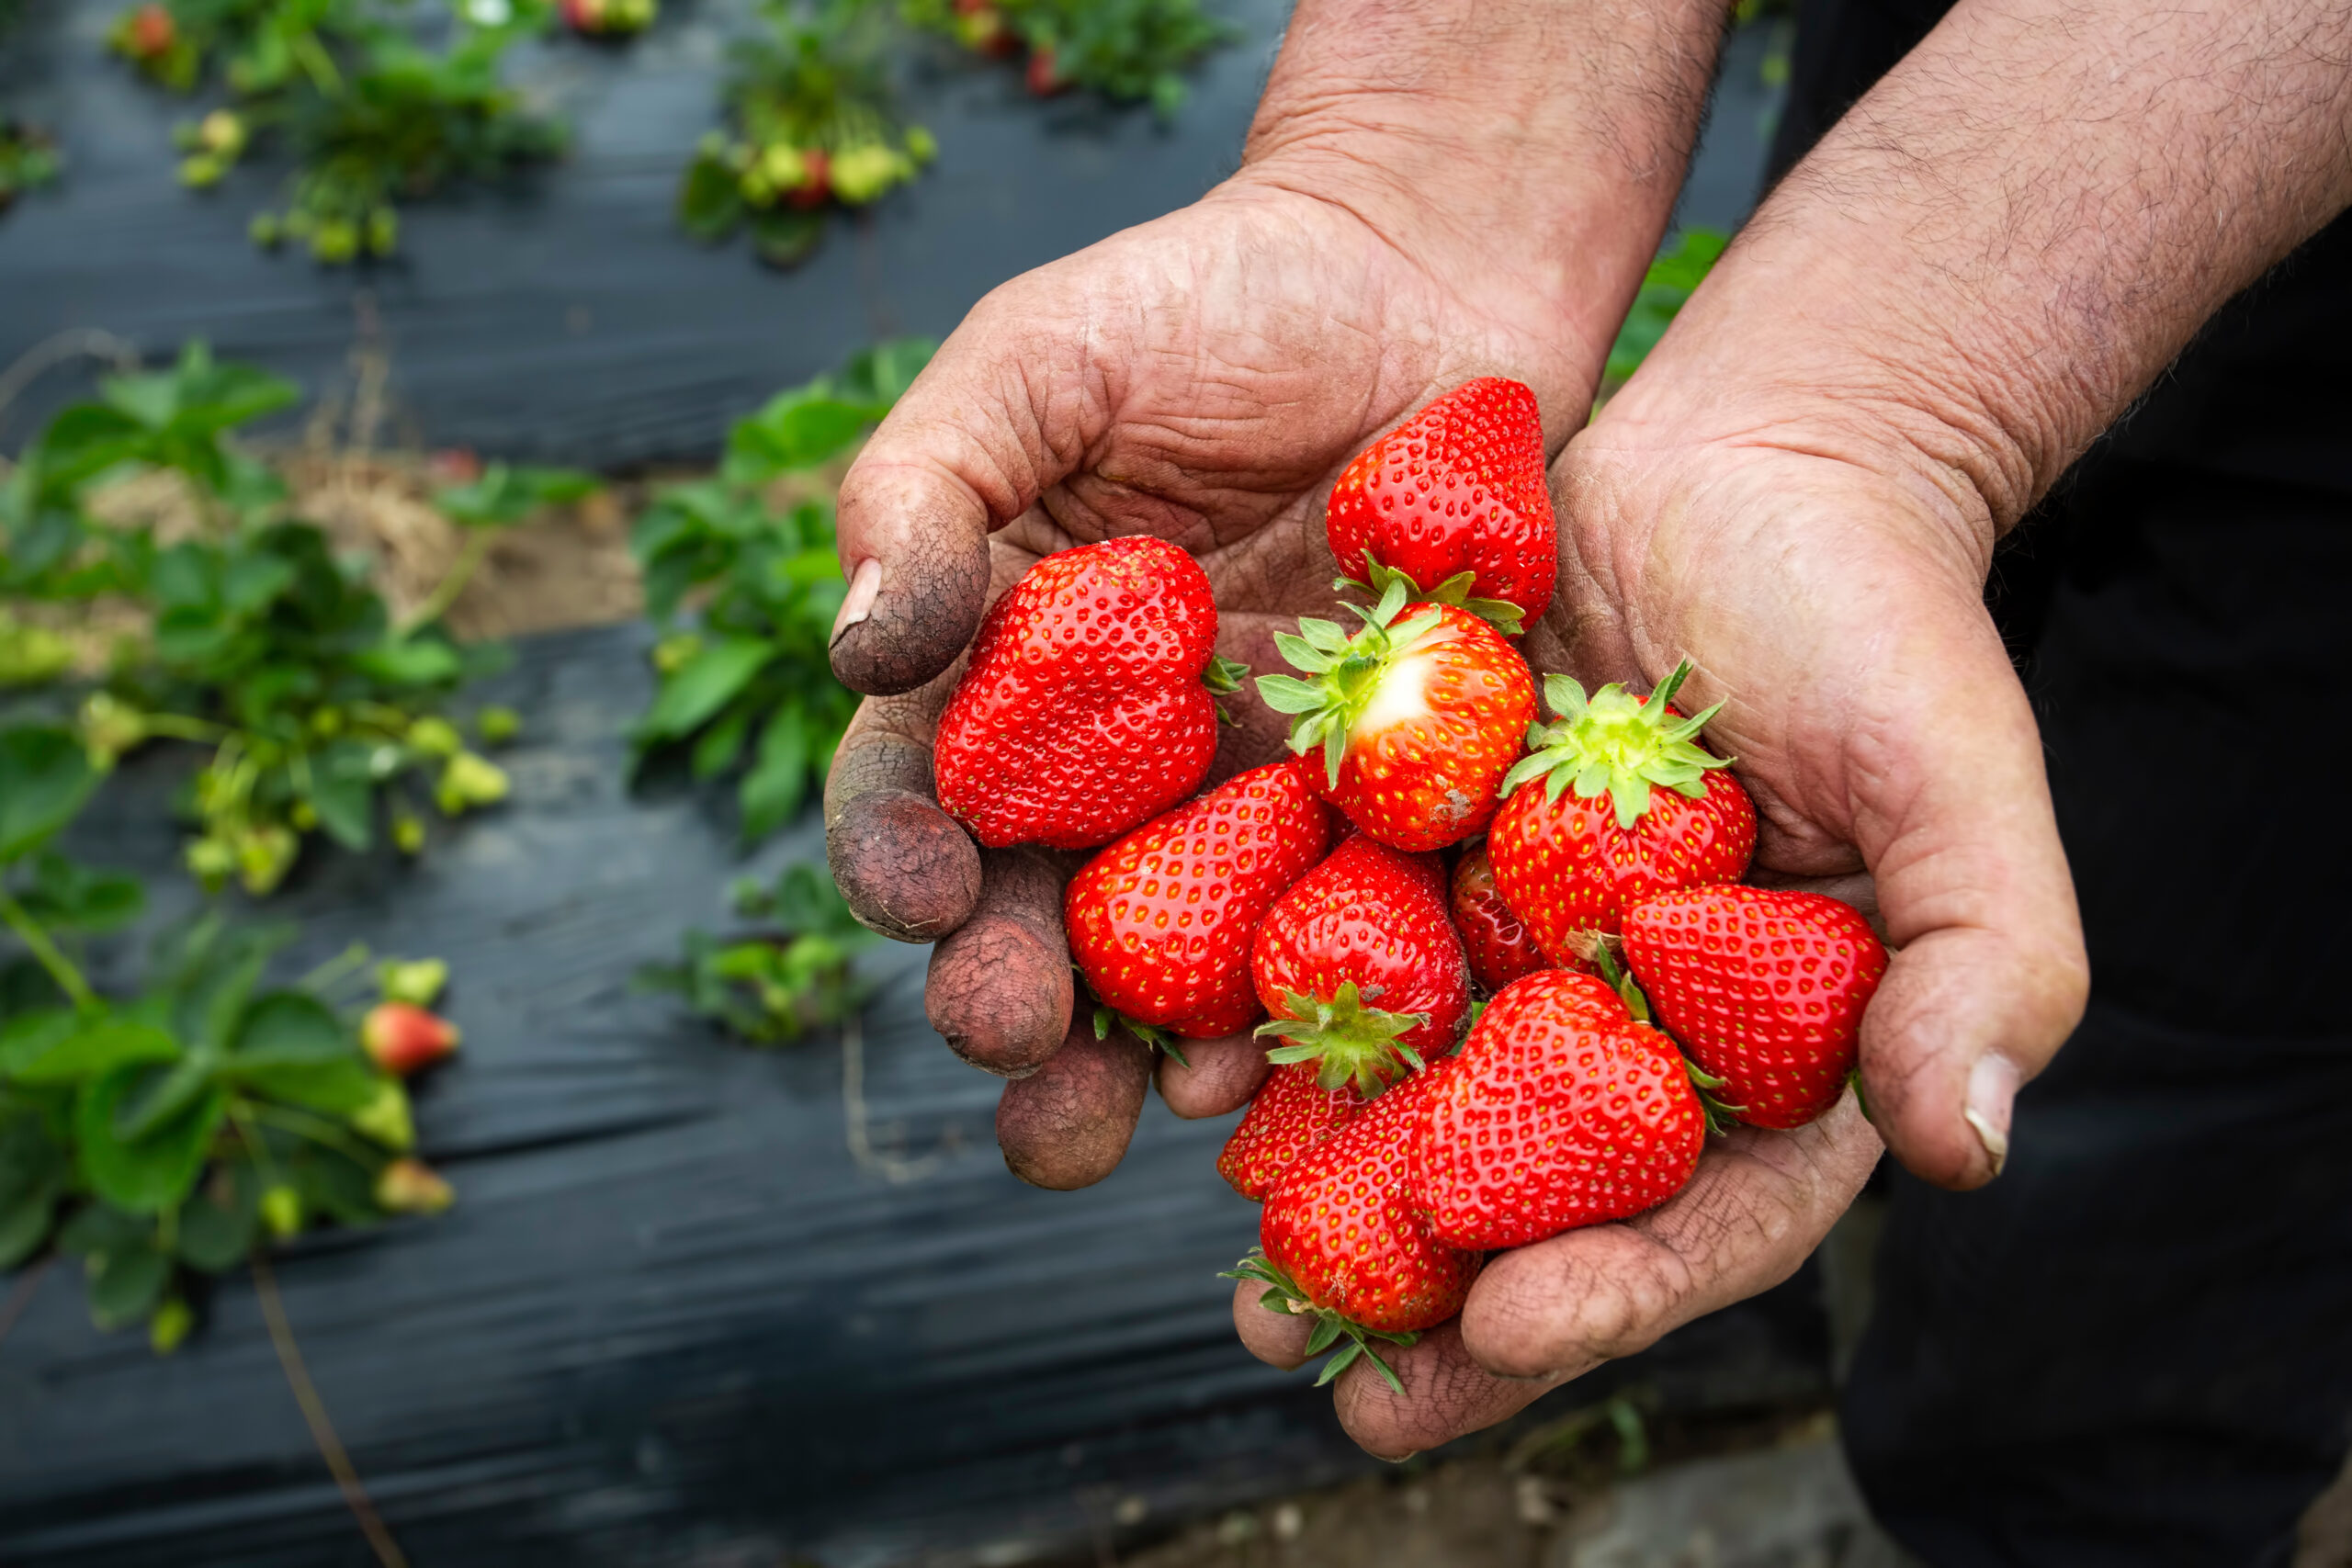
(164, 1136)
(773, 985)
(810, 127)
(1668, 284)
(1129, 50)
(320, 711)
(745, 589)
(371, 117)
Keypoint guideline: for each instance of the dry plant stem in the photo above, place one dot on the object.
(314, 1413)
(857, 1125)
(475, 550)
(58, 349)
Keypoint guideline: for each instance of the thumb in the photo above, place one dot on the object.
(1952, 813)
(962, 454)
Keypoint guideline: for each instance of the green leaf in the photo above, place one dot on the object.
(290, 1029)
(109, 1045)
(721, 744)
(215, 1235)
(157, 1095)
(64, 896)
(342, 792)
(97, 1229)
(126, 1285)
(27, 1036)
(156, 1171)
(25, 1221)
(704, 684)
(337, 1088)
(44, 778)
(772, 792)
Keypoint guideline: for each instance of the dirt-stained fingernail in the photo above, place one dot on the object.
(864, 587)
(1397, 1459)
(1992, 1092)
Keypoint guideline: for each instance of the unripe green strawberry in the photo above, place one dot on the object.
(1160, 923)
(1360, 968)
(1289, 1115)
(1416, 720)
(1615, 803)
(408, 1186)
(1765, 989)
(1561, 1110)
(1088, 706)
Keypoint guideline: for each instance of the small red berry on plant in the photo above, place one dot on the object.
(402, 1037)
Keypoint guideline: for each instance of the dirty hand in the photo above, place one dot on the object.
(1428, 196)
(1974, 276)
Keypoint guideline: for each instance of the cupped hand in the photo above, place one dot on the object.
(1204, 378)
(1820, 561)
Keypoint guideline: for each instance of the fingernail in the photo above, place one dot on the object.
(1992, 1089)
(1397, 1459)
(858, 603)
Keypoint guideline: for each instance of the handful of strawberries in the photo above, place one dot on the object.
(1639, 996)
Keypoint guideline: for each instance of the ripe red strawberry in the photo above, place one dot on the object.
(1289, 1115)
(1418, 717)
(1159, 923)
(1500, 946)
(1629, 807)
(1087, 706)
(1360, 968)
(400, 1037)
(1764, 988)
(816, 187)
(1340, 1239)
(149, 33)
(1453, 501)
(1560, 1111)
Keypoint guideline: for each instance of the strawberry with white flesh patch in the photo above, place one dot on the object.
(1630, 805)
(1418, 717)
(1360, 968)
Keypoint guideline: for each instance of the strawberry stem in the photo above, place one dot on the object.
(1721, 1116)
(1283, 1296)
(1107, 1017)
(1616, 743)
(1502, 613)
(1349, 1041)
(1345, 672)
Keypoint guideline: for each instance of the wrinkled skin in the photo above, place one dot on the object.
(1205, 378)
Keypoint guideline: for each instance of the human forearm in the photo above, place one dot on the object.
(1523, 152)
(2008, 239)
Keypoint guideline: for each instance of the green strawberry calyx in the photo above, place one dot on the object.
(1283, 1296)
(1107, 1017)
(1617, 743)
(1502, 613)
(1599, 952)
(1345, 672)
(1223, 678)
(1348, 1042)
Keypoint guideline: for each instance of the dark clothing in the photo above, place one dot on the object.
(2136, 1346)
